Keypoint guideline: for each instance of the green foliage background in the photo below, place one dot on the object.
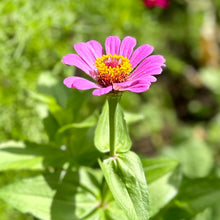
(180, 113)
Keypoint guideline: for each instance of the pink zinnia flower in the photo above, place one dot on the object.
(160, 3)
(118, 69)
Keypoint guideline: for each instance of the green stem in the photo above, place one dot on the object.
(112, 103)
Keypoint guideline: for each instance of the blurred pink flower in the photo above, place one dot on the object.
(160, 3)
(118, 69)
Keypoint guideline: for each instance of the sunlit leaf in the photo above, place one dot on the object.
(29, 156)
(158, 167)
(194, 155)
(71, 197)
(122, 139)
(53, 106)
(195, 195)
(131, 117)
(126, 180)
(88, 122)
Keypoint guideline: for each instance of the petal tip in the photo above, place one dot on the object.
(68, 82)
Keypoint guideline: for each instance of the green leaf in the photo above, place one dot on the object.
(195, 157)
(207, 214)
(75, 103)
(131, 117)
(163, 190)
(79, 140)
(125, 177)
(53, 106)
(163, 177)
(211, 78)
(18, 155)
(88, 122)
(33, 195)
(51, 85)
(79, 143)
(195, 195)
(157, 168)
(112, 212)
(122, 139)
(51, 127)
(72, 197)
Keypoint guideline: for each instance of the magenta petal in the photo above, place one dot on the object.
(112, 44)
(150, 66)
(75, 60)
(118, 86)
(144, 77)
(151, 70)
(155, 59)
(127, 46)
(79, 83)
(140, 53)
(134, 86)
(143, 65)
(139, 88)
(96, 48)
(160, 3)
(85, 53)
(102, 91)
(129, 83)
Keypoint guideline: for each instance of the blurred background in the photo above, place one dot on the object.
(178, 117)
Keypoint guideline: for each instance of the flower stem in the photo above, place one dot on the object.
(112, 103)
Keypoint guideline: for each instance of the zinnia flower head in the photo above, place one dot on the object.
(160, 3)
(116, 69)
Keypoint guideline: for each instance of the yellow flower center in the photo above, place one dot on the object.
(112, 69)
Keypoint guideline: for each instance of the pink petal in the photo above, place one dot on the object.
(155, 59)
(128, 83)
(144, 77)
(75, 60)
(151, 70)
(160, 3)
(117, 86)
(140, 53)
(85, 53)
(127, 46)
(96, 48)
(134, 86)
(139, 88)
(151, 65)
(149, 3)
(102, 91)
(79, 83)
(112, 44)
